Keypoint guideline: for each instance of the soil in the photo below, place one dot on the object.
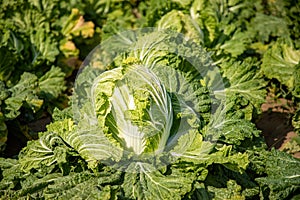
(275, 123)
(20, 134)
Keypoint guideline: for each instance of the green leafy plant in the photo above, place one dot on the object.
(147, 121)
(156, 113)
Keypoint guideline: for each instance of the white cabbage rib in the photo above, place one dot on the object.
(123, 100)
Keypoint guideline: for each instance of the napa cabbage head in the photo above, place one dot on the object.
(138, 110)
(133, 108)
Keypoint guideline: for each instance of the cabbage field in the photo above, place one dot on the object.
(150, 99)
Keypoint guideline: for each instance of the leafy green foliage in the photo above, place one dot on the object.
(279, 184)
(158, 186)
(140, 120)
(280, 62)
(35, 44)
(155, 114)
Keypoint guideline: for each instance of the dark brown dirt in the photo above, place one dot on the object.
(20, 134)
(275, 123)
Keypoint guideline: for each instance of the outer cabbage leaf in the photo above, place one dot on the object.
(228, 125)
(206, 153)
(33, 185)
(280, 62)
(278, 183)
(52, 83)
(25, 91)
(189, 93)
(92, 145)
(143, 181)
(222, 181)
(267, 26)
(238, 43)
(11, 173)
(44, 152)
(182, 23)
(54, 185)
(89, 141)
(43, 47)
(156, 9)
(82, 185)
(245, 85)
(233, 191)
